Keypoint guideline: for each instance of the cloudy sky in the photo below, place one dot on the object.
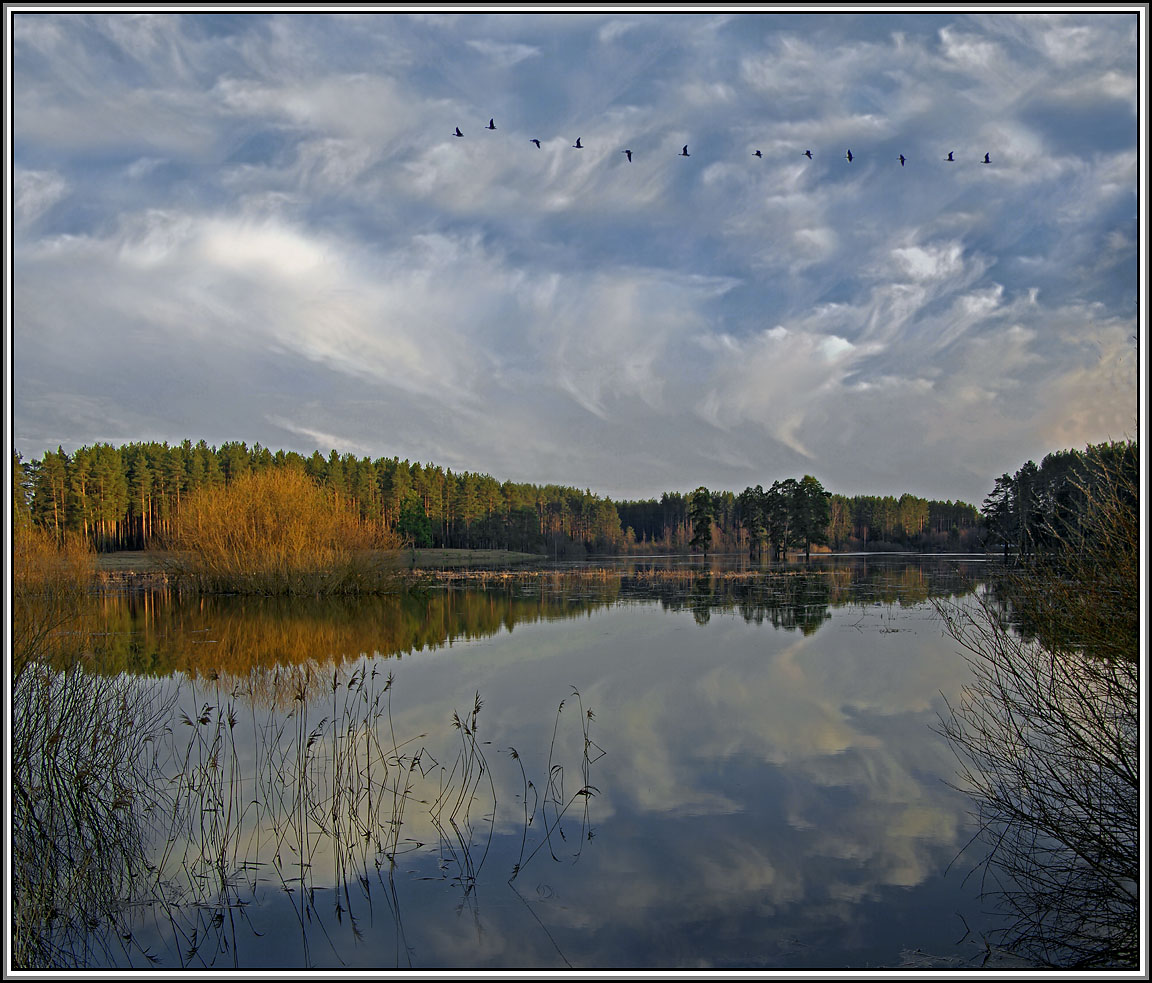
(261, 227)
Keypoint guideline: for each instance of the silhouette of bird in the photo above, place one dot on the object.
(986, 160)
(808, 154)
(901, 160)
(684, 152)
(577, 145)
(950, 157)
(628, 154)
(848, 156)
(537, 142)
(757, 154)
(491, 124)
(458, 133)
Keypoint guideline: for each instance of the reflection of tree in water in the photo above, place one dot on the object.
(157, 633)
(1048, 745)
(330, 795)
(140, 846)
(798, 600)
(791, 597)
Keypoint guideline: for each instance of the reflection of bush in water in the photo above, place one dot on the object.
(159, 633)
(50, 581)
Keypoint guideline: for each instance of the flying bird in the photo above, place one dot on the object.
(537, 142)
(577, 145)
(491, 124)
(848, 156)
(458, 133)
(950, 157)
(684, 152)
(986, 160)
(808, 154)
(628, 154)
(901, 160)
(757, 154)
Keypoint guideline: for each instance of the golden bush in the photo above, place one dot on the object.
(275, 532)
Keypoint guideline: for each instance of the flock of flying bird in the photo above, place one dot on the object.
(849, 156)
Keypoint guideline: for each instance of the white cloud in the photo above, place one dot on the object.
(774, 380)
(616, 28)
(970, 52)
(35, 192)
(930, 262)
(504, 54)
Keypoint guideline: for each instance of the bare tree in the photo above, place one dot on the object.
(1047, 735)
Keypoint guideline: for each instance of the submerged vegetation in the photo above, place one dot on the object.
(1048, 732)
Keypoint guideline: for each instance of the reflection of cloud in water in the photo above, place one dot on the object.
(829, 757)
(759, 784)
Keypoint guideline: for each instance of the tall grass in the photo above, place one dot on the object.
(81, 792)
(278, 532)
(78, 753)
(329, 807)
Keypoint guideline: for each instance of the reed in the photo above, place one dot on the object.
(152, 817)
(82, 747)
(334, 797)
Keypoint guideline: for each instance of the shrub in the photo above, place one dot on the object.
(50, 579)
(276, 532)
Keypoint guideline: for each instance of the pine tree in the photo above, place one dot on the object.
(700, 517)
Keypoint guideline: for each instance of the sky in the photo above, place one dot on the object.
(260, 226)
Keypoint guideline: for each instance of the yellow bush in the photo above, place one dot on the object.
(50, 579)
(275, 532)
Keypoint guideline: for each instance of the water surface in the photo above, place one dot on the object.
(649, 765)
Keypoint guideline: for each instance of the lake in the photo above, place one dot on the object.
(646, 764)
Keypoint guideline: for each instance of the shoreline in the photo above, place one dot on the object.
(132, 570)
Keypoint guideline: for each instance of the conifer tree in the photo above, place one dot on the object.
(700, 517)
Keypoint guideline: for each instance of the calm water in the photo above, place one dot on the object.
(670, 767)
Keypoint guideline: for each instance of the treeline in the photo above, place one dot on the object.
(1044, 508)
(129, 497)
(858, 522)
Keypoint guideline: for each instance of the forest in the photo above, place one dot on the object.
(858, 522)
(1041, 507)
(129, 497)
